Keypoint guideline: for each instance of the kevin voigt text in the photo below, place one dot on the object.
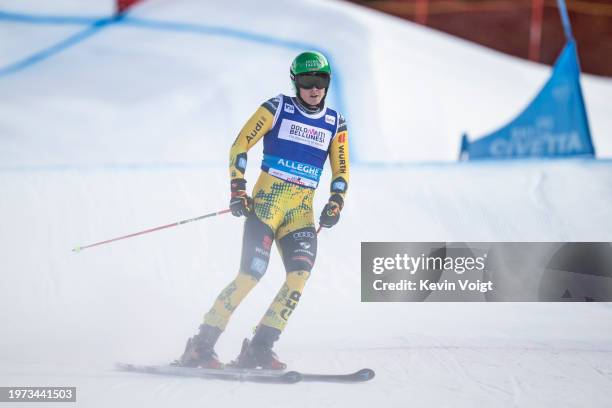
(426, 284)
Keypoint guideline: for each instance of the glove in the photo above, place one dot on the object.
(240, 202)
(331, 212)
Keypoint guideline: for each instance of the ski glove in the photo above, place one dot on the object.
(331, 212)
(240, 202)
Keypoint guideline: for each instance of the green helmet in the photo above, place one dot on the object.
(309, 61)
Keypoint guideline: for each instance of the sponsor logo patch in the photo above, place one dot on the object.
(290, 304)
(342, 159)
(255, 132)
(330, 119)
(267, 242)
(259, 265)
(261, 251)
(307, 135)
(292, 178)
(242, 163)
(289, 108)
(305, 251)
(300, 168)
(303, 234)
(339, 186)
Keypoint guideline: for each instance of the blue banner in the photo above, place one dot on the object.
(554, 124)
(565, 19)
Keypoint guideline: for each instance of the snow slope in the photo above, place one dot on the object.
(130, 129)
(392, 78)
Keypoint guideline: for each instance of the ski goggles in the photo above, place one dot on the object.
(315, 80)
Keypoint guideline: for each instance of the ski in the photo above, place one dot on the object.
(251, 375)
(231, 374)
(365, 374)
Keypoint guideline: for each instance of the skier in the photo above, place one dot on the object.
(298, 134)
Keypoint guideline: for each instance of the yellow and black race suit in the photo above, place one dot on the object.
(296, 144)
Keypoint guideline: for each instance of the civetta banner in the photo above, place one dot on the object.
(554, 124)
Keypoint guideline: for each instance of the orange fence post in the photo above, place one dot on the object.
(535, 30)
(421, 10)
(123, 5)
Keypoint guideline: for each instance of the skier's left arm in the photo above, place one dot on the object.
(339, 161)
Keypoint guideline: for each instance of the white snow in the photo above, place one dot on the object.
(131, 128)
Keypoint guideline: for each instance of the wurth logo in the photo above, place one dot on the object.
(342, 159)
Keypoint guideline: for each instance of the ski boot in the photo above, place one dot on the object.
(199, 351)
(258, 352)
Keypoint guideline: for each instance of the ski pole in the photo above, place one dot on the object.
(174, 224)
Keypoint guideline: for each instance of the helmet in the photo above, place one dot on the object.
(307, 62)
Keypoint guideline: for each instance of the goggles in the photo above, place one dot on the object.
(315, 80)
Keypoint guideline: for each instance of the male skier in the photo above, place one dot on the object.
(299, 133)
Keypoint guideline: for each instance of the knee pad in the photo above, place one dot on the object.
(256, 244)
(299, 249)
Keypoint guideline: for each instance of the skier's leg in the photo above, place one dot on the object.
(274, 321)
(228, 300)
(296, 239)
(289, 206)
(298, 250)
(256, 243)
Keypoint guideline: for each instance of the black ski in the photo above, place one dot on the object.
(252, 375)
(365, 374)
(232, 374)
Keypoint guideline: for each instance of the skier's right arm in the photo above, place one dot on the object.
(256, 127)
